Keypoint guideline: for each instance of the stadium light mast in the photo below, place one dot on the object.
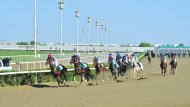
(77, 14)
(84, 31)
(61, 6)
(89, 21)
(97, 24)
(106, 38)
(35, 29)
(102, 27)
(38, 37)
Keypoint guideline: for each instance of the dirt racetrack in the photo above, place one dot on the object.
(153, 91)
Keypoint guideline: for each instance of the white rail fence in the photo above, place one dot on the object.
(42, 57)
(42, 64)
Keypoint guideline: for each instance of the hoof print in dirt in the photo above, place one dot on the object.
(119, 81)
(90, 84)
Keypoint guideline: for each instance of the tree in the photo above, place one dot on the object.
(22, 43)
(32, 43)
(145, 44)
(181, 44)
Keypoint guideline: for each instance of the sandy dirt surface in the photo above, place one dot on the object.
(153, 91)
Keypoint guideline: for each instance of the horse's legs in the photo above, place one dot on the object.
(74, 77)
(58, 80)
(142, 73)
(64, 76)
(173, 70)
(82, 78)
(165, 71)
(103, 73)
(134, 72)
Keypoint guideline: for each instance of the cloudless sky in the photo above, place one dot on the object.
(128, 21)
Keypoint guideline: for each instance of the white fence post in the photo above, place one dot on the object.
(27, 66)
(34, 65)
(36, 78)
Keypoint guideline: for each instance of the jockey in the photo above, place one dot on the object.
(172, 54)
(163, 56)
(149, 54)
(128, 57)
(134, 58)
(51, 59)
(82, 65)
(124, 59)
(97, 59)
(173, 57)
(78, 58)
(111, 60)
(118, 58)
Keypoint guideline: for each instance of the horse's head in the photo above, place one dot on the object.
(133, 63)
(95, 60)
(74, 59)
(52, 66)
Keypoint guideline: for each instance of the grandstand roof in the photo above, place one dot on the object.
(167, 47)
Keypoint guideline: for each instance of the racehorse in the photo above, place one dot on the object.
(100, 67)
(114, 68)
(149, 59)
(6, 61)
(57, 74)
(163, 66)
(81, 69)
(173, 65)
(137, 69)
(124, 66)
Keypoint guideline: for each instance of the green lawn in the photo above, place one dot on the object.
(14, 53)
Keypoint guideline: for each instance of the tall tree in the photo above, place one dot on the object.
(181, 44)
(145, 44)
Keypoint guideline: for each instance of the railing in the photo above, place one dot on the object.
(42, 57)
(41, 64)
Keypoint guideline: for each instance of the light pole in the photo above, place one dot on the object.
(77, 14)
(89, 21)
(61, 6)
(97, 24)
(35, 27)
(106, 38)
(84, 31)
(38, 42)
(102, 27)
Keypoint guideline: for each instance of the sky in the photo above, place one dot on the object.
(128, 21)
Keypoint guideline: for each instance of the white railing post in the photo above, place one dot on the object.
(36, 78)
(44, 65)
(27, 66)
(40, 65)
(34, 65)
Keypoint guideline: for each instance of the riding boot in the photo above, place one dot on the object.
(139, 64)
(61, 81)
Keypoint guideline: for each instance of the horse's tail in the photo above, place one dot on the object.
(88, 72)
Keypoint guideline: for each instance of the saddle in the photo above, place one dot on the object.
(83, 65)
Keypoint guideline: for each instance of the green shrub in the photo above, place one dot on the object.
(2, 82)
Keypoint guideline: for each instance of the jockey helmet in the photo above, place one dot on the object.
(133, 54)
(96, 57)
(118, 55)
(110, 54)
(124, 57)
(127, 55)
(50, 55)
